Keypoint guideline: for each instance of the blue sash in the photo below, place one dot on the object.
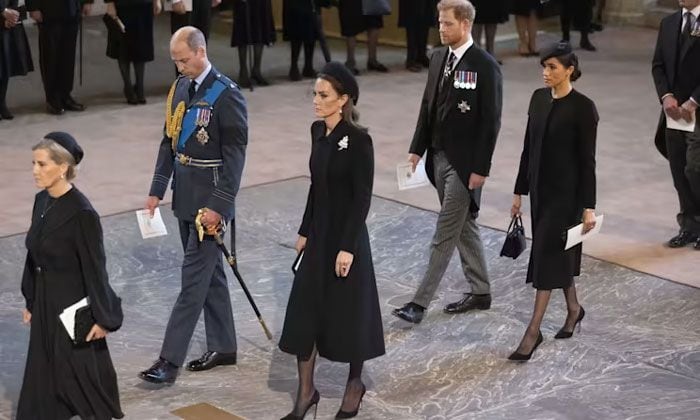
(189, 122)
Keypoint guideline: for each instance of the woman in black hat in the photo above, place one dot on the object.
(333, 308)
(66, 263)
(557, 169)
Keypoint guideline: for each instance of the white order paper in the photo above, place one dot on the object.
(408, 179)
(680, 124)
(150, 227)
(575, 235)
(168, 5)
(67, 317)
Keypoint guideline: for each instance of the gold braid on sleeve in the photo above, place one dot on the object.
(173, 122)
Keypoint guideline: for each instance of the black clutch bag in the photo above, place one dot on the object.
(83, 324)
(515, 243)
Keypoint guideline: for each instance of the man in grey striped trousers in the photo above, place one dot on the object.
(458, 125)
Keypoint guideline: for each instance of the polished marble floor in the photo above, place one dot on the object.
(637, 355)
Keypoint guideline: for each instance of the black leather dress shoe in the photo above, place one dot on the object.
(697, 245)
(71, 104)
(682, 239)
(54, 109)
(162, 372)
(211, 359)
(469, 302)
(410, 312)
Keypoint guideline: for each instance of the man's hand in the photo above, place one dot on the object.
(151, 203)
(515, 208)
(36, 15)
(11, 17)
(96, 333)
(413, 159)
(211, 220)
(301, 244)
(588, 220)
(671, 107)
(157, 7)
(87, 8)
(111, 9)
(688, 110)
(179, 8)
(26, 316)
(476, 181)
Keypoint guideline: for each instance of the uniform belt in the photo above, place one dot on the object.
(199, 163)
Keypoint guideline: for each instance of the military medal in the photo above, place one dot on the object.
(471, 80)
(202, 136)
(457, 84)
(203, 117)
(464, 107)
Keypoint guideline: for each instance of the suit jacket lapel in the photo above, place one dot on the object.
(450, 99)
(434, 75)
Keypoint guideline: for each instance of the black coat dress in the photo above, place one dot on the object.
(557, 169)
(15, 54)
(262, 25)
(340, 316)
(136, 43)
(299, 20)
(65, 263)
(491, 11)
(417, 13)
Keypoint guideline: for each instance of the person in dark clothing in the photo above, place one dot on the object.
(526, 22)
(260, 33)
(489, 14)
(66, 263)
(195, 13)
(58, 22)
(354, 21)
(333, 308)
(301, 25)
(15, 55)
(135, 45)
(580, 12)
(557, 169)
(417, 16)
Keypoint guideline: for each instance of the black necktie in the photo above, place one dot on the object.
(193, 89)
(685, 35)
(448, 69)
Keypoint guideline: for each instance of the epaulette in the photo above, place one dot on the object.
(226, 81)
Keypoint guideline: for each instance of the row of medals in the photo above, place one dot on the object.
(202, 121)
(465, 80)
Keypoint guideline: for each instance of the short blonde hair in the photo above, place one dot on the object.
(59, 155)
(463, 9)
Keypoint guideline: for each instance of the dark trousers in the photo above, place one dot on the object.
(204, 286)
(580, 12)
(684, 158)
(199, 17)
(416, 43)
(57, 42)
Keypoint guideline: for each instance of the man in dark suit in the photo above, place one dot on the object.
(676, 72)
(58, 21)
(459, 120)
(203, 149)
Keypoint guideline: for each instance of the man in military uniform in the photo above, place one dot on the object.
(203, 149)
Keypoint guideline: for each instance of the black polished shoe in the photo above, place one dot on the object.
(682, 239)
(350, 414)
(211, 359)
(520, 357)
(130, 96)
(54, 109)
(410, 312)
(413, 67)
(376, 66)
(352, 68)
(294, 74)
(469, 302)
(5, 114)
(568, 334)
(586, 45)
(260, 80)
(309, 72)
(70, 104)
(312, 403)
(162, 372)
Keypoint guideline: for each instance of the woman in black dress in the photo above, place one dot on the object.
(15, 55)
(557, 169)
(333, 308)
(527, 22)
(581, 13)
(353, 22)
(260, 33)
(135, 45)
(417, 16)
(301, 25)
(66, 263)
(489, 13)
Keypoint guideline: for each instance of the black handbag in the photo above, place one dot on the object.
(515, 243)
(83, 324)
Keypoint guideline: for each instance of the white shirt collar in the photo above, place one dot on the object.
(695, 11)
(199, 79)
(459, 52)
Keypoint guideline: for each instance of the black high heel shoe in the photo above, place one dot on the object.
(520, 357)
(567, 334)
(312, 403)
(350, 414)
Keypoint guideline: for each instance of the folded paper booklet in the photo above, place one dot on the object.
(575, 235)
(681, 124)
(67, 317)
(150, 227)
(408, 179)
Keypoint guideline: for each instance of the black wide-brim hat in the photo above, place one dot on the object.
(68, 142)
(342, 74)
(557, 49)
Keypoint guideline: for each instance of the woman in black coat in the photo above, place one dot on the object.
(15, 55)
(557, 169)
(354, 21)
(261, 32)
(417, 16)
(489, 14)
(301, 24)
(333, 307)
(66, 263)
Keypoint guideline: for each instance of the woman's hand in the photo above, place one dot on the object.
(515, 209)
(588, 220)
(157, 7)
(301, 244)
(343, 263)
(111, 9)
(96, 333)
(26, 316)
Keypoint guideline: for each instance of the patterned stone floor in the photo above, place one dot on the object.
(636, 357)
